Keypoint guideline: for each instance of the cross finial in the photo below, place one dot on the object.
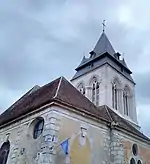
(103, 23)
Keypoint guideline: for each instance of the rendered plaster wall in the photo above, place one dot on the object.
(89, 141)
(143, 151)
(93, 148)
(60, 124)
(99, 145)
(121, 149)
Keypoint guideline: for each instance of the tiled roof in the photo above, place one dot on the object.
(29, 103)
(62, 91)
(123, 124)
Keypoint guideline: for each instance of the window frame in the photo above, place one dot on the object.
(114, 95)
(127, 100)
(139, 162)
(95, 92)
(135, 149)
(38, 128)
(5, 148)
(132, 161)
(81, 88)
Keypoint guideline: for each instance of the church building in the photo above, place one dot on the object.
(90, 120)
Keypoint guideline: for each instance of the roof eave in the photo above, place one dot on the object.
(132, 135)
(118, 62)
(100, 56)
(91, 60)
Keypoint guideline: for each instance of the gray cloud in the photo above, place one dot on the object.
(41, 40)
(142, 87)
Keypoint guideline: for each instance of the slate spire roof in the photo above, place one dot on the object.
(103, 45)
(103, 53)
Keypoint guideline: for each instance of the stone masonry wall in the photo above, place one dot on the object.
(59, 124)
(26, 150)
(116, 148)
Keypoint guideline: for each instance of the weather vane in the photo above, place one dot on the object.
(103, 23)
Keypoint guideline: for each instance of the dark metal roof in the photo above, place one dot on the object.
(123, 62)
(63, 92)
(103, 45)
(101, 60)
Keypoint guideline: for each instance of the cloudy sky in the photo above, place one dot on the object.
(41, 40)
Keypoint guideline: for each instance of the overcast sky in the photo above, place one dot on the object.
(41, 40)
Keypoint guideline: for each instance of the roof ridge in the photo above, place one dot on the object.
(108, 113)
(58, 87)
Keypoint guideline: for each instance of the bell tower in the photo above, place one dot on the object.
(105, 79)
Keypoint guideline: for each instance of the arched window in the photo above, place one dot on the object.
(135, 149)
(139, 162)
(114, 95)
(126, 100)
(81, 88)
(38, 129)
(132, 161)
(95, 92)
(4, 152)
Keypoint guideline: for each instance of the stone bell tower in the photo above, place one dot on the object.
(105, 79)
